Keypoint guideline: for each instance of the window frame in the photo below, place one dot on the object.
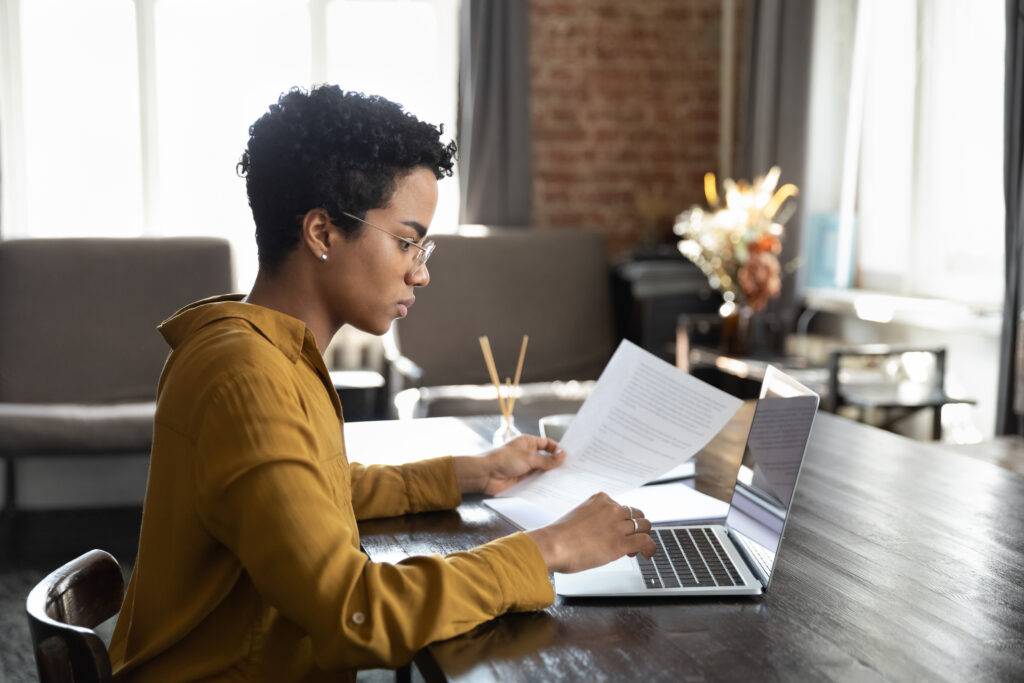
(839, 143)
(14, 207)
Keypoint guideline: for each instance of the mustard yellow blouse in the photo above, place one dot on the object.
(249, 565)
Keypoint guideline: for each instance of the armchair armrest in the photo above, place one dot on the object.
(533, 400)
(404, 373)
(400, 372)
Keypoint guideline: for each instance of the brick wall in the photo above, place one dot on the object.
(625, 106)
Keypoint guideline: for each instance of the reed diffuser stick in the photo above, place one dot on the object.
(485, 346)
(519, 372)
(509, 401)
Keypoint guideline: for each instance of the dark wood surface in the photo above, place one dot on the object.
(901, 561)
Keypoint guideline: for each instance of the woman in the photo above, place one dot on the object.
(249, 565)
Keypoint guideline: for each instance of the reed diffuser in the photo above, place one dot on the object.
(507, 429)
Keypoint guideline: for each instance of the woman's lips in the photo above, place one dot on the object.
(403, 307)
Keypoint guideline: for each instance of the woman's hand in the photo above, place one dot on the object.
(497, 470)
(596, 532)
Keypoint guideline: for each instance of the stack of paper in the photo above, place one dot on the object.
(644, 418)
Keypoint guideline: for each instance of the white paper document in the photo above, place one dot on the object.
(398, 443)
(677, 503)
(643, 418)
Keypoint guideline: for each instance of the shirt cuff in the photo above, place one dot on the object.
(431, 484)
(521, 573)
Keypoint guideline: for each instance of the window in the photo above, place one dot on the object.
(81, 151)
(907, 139)
(125, 117)
(219, 63)
(407, 52)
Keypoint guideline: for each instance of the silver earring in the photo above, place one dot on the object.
(323, 257)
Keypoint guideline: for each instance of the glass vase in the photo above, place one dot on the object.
(506, 432)
(737, 332)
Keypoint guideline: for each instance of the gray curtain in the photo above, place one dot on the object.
(495, 172)
(1010, 405)
(774, 104)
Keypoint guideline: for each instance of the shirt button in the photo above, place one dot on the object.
(358, 618)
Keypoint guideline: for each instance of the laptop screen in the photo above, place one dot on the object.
(771, 465)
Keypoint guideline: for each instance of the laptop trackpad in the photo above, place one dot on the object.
(619, 577)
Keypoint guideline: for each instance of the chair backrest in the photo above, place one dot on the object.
(552, 284)
(78, 316)
(63, 609)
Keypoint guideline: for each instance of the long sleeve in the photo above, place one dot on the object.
(389, 491)
(287, 514)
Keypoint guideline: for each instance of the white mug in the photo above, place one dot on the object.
(554, 426)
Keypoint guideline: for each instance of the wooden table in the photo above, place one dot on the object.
(901, 561)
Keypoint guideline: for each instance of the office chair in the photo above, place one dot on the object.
(63, 609)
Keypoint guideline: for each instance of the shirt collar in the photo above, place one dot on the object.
(288, 334)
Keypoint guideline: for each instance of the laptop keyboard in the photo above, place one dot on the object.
(688, 557)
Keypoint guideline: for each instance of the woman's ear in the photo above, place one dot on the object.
(316, 233)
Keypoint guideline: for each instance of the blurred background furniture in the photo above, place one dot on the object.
(550, 284)
(884, 385)
(64, 608)
(363, 394)
(736, 366)
(79, 352)
(1006, 448)
(651, 289)
(894, 381)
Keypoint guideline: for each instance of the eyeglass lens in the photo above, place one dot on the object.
(422, 256)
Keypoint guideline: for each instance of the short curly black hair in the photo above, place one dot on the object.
(333, 150)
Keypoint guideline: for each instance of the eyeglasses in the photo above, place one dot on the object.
(421, 256)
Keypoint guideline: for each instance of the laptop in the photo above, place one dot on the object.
(737, 557)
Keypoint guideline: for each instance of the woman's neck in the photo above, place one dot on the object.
(287, 293)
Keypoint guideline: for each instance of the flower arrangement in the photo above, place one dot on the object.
(737, 245)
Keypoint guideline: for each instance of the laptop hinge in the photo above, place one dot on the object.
(752, 565)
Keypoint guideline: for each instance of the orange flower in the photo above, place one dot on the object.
(760, 278)
(768, 243)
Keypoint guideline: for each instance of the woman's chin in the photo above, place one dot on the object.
(377, 328)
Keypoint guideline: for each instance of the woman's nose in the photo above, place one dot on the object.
(419, 276)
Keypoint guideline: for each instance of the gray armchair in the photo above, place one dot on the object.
(552, 284)
(79, 353)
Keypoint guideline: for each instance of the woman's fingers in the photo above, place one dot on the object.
(637, 525)
(543, 461)
(549, 445)
(642, 542)
(594, 533)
